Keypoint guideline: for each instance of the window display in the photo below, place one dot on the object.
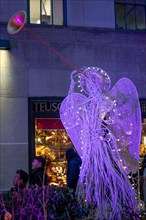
(51, 142)
(143, 139)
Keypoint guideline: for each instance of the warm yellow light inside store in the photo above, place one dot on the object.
(143, 139)
(52, 144)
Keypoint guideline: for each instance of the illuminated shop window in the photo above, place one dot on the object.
(130, 14)
(48, 12)
(51, 142)
(143, 139)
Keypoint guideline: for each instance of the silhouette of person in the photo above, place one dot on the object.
(73, 168)
(38, 176)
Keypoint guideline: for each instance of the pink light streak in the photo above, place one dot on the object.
(55, 51)
(19, 20)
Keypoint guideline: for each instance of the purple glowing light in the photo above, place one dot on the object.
(105, 128)
(19, 19)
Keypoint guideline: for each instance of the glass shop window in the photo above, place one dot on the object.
(142, 153)
(51, 142)
(143, 139)
(49, 12)
(130, 14)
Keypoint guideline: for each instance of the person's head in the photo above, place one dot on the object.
(38, 162)
(70, 154)
(21, 178)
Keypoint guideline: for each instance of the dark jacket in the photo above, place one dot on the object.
(2, 211)
(39, 178)
(73, 168)
(144, 163)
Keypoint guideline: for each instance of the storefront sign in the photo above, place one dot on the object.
(46, 106)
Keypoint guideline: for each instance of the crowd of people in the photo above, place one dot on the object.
(38, 178)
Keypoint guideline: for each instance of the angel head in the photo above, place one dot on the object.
(90, 81)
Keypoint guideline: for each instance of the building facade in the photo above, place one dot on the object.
(42, 56)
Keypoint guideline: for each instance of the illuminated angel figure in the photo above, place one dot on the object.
(105, 128)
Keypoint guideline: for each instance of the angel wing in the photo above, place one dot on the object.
(72, 115)
(127, 122)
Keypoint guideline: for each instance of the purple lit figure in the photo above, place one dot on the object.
(105, 128)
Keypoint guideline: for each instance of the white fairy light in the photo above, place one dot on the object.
(129, 132)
